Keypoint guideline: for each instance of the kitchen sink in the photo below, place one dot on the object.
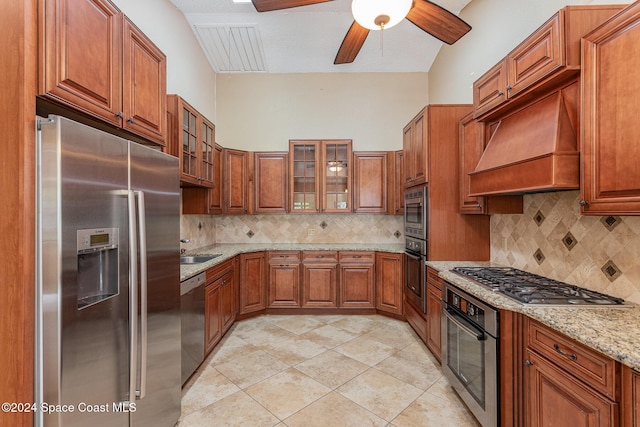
(197, 259)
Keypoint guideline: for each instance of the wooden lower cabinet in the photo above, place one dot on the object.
(284, 279)
(252, 282)
(434, 314)
(553, 397)
(213, 316)
(357, 280)
(227, 301)
(320, 279)
(630, 397)
(389, 282)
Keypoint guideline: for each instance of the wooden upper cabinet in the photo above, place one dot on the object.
(611, 99)
(416, 151)
(192, 141)
(371, 181)
(236, 179)
(216, 202)
(82, 57)
(270, 184)
(320, 174)
(95, 60)
(549, 56)
(144, 85)
(474, 136)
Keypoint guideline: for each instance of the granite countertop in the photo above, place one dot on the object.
(228, 251)
(614, 332)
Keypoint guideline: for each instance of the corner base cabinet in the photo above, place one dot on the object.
(389, 282)
(252, 282)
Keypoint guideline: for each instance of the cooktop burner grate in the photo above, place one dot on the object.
(530, 288)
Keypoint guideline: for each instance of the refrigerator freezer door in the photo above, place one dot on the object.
(155, 181)
(84, 294)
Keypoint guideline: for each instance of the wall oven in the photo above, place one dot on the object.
(415, 272)
(470, 352)
(415, 213)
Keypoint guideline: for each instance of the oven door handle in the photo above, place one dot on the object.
(464, 324)
(415, 257)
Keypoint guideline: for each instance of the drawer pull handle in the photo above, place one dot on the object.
(357, 256)
(528, 363)
(571, 356)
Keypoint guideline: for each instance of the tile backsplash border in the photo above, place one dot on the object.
(553, 239)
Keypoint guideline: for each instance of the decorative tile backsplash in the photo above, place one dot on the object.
(338, 228)
(553, 239)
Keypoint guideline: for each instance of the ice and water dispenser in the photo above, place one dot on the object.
(97, 265)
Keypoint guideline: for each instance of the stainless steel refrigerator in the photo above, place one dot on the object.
(108, 280)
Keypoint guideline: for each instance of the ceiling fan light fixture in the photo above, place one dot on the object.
(380, 14)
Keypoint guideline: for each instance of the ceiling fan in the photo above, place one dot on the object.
(428, 16)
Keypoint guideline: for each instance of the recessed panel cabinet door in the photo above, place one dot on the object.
(319, 285)
(82, 61)
(144, 86)
(611, 88)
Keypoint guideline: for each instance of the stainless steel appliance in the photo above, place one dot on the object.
(470, 332)
(529, 288)
(107, 254)
(415, 213)
(415, 272)
(192, 314)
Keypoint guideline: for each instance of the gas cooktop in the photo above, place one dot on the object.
(529, 288)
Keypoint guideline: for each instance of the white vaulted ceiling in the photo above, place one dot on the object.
(236, 38)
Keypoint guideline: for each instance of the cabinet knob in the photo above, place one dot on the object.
(478, 206)
(357, 256)
(528, 363)
(119, 115)
(509, 88)
(583, 203)
(500, 93)
(130, 120)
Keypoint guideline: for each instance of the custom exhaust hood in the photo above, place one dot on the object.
(532, 150)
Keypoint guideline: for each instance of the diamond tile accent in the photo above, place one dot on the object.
(398, 234)
(611, 271)
(250, 233)
(610, 222)
(539, 218)
(323, 225)
(569, 241)
(539, 256)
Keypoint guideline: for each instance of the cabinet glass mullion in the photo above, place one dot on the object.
(207, 142)
(336, 177)
(304, 177)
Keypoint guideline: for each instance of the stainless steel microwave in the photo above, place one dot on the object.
(415, 212)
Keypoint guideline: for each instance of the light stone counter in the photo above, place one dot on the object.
(614, 332)
(228, 251)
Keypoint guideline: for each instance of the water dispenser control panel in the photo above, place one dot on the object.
(97, 239)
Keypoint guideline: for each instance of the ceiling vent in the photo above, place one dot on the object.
(234, 48)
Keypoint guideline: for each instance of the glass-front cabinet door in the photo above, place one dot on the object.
(189, 143)
(320, 176)
(337, 171)
(304, 155)
(207, 142)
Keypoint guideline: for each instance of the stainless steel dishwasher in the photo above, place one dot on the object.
(192, 314)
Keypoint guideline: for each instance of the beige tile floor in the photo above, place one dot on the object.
(328, 371)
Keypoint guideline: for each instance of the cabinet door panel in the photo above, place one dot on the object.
(320, 285)
(434, 315)
(227, 301)
(82, 61)
(556, 399)
(356, 285)
(212, 326)
(271, 180)
(252, 281)
(370, 182)
(284, 285)
(144, 86)
(611, 82)
(489, 90)
(389, 282)
(420, 150)
(236, 174)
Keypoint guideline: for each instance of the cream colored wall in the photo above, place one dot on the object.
(262, 112)
(188, 71)
(497, 27)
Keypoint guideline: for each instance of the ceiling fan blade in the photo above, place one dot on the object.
(351, 44)
(269, 5)
(438, 22)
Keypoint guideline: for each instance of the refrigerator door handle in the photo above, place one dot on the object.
(143, 293)
(133, 297)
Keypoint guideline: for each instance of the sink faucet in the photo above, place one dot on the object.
(183, 250)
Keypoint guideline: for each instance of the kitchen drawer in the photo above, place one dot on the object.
(284, 257)
(320, 256)
(595, 369)
(356, 257)
(218, 270)
(433, 278)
